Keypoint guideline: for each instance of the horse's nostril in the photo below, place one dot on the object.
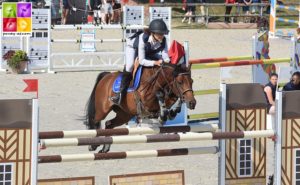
(192, 105)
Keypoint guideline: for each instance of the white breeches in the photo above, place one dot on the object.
(130, 58)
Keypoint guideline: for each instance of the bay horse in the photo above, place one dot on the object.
(170, 80)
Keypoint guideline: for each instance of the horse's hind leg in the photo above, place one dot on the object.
(99, 116)
(121, 118)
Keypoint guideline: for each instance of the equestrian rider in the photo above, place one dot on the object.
(149, 47)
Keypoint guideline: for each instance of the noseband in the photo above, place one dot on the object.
(178, 86)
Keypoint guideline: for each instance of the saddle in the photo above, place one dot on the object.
(137, 73)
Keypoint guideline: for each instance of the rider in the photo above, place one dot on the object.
(149, 47)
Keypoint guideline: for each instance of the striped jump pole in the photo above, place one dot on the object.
(223, 59)
(127, 155)
(293, 8)
(240, 63)
(287, 20)
(91, 26)
(195, 127)
(155, 138)
(88, 41)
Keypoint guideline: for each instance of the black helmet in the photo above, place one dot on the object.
(158, 26)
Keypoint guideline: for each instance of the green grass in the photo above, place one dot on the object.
(206, 92)
(204, 115)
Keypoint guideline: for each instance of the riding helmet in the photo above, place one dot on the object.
(158, 26)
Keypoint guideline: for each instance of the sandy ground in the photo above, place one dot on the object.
(63, 96)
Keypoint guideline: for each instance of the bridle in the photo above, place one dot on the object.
(181, 91)
(168, 88)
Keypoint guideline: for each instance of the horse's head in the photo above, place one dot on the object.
(181, 85)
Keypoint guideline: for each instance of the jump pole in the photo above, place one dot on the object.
(222, 59)
(274, 18)
(195, 127)
(240, 63)
(127, 155)
(155, 138)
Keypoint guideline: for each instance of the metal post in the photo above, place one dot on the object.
(278, 122)
(34, 144)
(206, 16)
(1, 54)
(299, 17)
(293, 63)
(261, 10)
(272, 28)
(28, 42)
(222, 144)
(50, 62)
(254, 49)
(187, 51)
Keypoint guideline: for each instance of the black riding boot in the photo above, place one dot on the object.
(127, 76)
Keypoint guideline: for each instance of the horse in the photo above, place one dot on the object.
(173, 81)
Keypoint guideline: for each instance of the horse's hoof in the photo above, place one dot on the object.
(105, 149)
(93, 147)
(164, 118)
(172, 115)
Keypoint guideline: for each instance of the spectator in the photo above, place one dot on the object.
(228, 9)
(65, 11)
(55, 8)
(190, 10)
(294, 84)
(201, 20)
(270, 92)
(255, 9)
(88, 8)
(107, 10)
(96, 8)
(244, 7)
(117, 11)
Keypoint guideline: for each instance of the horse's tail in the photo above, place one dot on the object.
(90, 106)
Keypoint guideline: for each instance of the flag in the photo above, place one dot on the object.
(151, 1)
(176, 53)
(32, 85)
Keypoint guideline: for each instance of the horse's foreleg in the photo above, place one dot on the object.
(162, 106)
(174, 111)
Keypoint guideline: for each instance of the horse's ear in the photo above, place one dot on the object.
(189, 67)
(176, 71)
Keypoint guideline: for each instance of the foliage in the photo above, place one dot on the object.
(14, 58)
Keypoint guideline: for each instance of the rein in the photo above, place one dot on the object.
(168, 88)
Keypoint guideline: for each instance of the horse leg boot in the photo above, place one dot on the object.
(127, 76)
(174, 111)
(163, 110)
(95, 126)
